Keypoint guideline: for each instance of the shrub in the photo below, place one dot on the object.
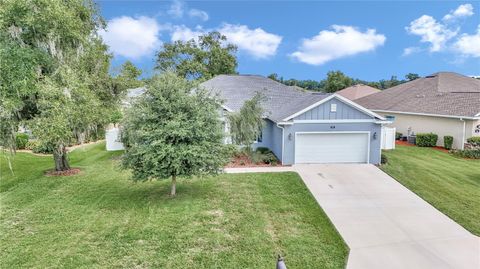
(269, 158)
(398, 136)
(232, 150)
(426, 139)
(37, 147)
(468, 153)
(383, 159)
(448, 142)
(474, 141)
(256, 157)
(263, 150)
(21, 140)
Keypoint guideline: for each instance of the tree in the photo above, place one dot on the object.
(336, 81)
(211, 55)
(246, 125)
(54, 71)
(172, 131)
(411, 76)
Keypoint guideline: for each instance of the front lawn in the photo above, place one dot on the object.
(101, 219)
(449, 183)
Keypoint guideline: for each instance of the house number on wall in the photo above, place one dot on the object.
(332, 127)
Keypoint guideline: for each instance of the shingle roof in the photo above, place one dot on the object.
(443, 93)
(281, 100)
(357, 91)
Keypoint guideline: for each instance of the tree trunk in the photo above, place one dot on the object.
(60, 157)
(174, 185)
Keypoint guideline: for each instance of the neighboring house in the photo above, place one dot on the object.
(303, 126)
(357, 91)
(444, 103)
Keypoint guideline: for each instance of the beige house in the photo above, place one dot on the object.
(444, 103)
(357, 91)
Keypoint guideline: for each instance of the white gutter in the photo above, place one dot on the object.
(463, 134)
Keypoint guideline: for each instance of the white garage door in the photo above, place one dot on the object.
(339, 147)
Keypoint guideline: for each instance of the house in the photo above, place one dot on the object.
(303, 126)
(444, 103)
(357, 91)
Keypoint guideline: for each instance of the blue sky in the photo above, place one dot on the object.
(369, 40)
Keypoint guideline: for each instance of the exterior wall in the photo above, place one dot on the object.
(290, 130)
(438, 125)
(322, 112)
(271, 138)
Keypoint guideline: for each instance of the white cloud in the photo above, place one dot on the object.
(255, 42)
(132, 37)
(176, 9)
(196, 13)
(431, 31)
(410, 50)
(465, 10)
(183, 33)
(468, 45)
(343, 41)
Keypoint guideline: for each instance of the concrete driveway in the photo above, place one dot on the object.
(386, 225)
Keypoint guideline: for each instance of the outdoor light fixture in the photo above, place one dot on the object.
(290, 136)
(375, 135)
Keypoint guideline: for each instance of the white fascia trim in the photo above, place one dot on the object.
(426, 114)
(285, 123)
(341, 98)
(336, 121)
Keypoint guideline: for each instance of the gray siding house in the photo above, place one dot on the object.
(303, 126)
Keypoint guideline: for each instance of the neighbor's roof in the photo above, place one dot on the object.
(357, 91)
(281, 100)
(443, 93)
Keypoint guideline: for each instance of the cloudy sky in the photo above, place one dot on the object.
(370, 40)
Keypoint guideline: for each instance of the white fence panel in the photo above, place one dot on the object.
(113, 139)
(388, 137)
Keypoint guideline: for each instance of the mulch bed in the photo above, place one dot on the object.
(244, 161)
(405, 143)
(71, 172)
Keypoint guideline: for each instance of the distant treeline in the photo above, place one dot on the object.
(336, 80)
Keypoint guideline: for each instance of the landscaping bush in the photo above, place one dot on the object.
(37, 147)
(474, 141)
(448, 142)
(21, 140)
(398, 136)
(468, 153)
(263, 150)
(426, 139)
(256, 157)
(269, 158)
(383, 159)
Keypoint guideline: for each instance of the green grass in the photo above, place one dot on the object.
(101, 219)
(450, 184)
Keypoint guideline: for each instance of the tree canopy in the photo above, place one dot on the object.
(172, 131)
(211, 55)
(246, 125)
(55, 72)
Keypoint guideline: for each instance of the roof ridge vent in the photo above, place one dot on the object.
(420, 96)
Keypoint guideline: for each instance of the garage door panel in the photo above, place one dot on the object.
(331, 148)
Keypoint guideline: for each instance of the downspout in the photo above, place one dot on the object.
(283, 140)
(463, 133)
